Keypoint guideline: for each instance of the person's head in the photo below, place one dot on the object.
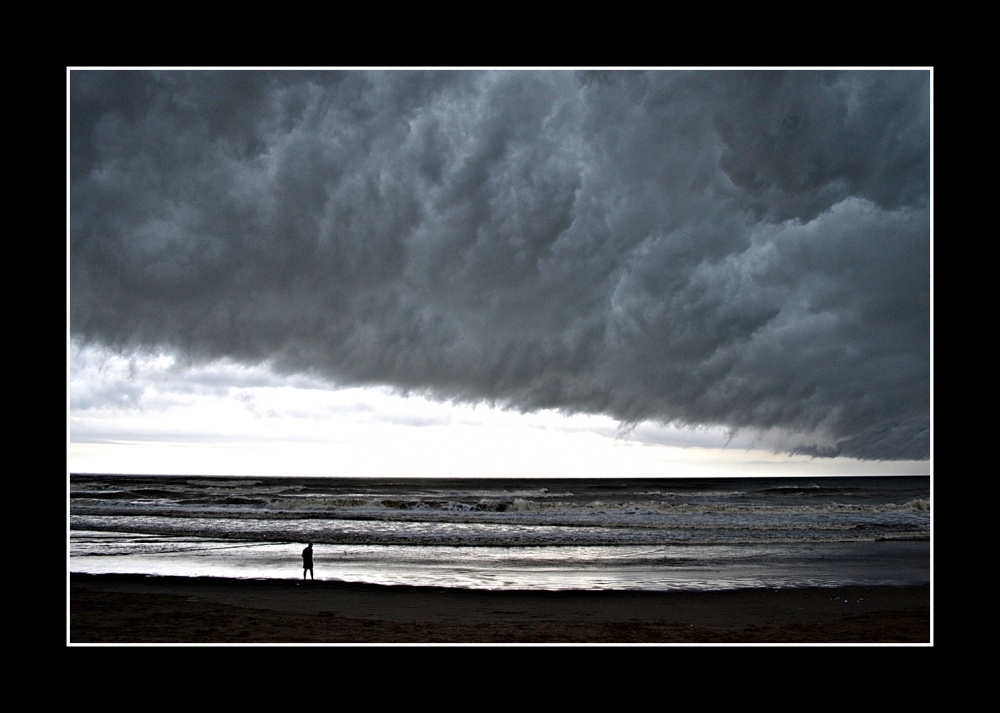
(310, 545)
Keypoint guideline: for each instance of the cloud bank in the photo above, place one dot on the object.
(740, 249)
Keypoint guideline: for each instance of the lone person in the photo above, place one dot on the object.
(307, 561)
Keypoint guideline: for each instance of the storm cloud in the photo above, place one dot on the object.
(748, 250)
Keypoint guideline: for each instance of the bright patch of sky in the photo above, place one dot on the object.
(146, 414)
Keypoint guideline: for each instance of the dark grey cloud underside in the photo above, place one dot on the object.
(745, 249)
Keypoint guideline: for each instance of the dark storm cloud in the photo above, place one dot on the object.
(744, 249)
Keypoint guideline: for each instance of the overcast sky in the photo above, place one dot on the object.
(499, 272)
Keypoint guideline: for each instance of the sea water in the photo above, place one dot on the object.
(555, 534)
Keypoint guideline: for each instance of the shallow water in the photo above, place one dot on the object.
(513, 534)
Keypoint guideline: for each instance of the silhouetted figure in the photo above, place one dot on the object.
(307, 561)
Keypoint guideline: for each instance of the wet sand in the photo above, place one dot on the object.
(135, 609)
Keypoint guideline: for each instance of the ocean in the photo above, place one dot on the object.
(544, 534)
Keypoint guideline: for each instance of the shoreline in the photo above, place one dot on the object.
(138, 609)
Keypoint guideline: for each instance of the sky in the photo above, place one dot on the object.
(486, 272)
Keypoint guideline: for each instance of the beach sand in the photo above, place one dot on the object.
(134, 609)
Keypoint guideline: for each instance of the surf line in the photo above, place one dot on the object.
(185, 550)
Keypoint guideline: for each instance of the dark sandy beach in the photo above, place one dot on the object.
(134, 609)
